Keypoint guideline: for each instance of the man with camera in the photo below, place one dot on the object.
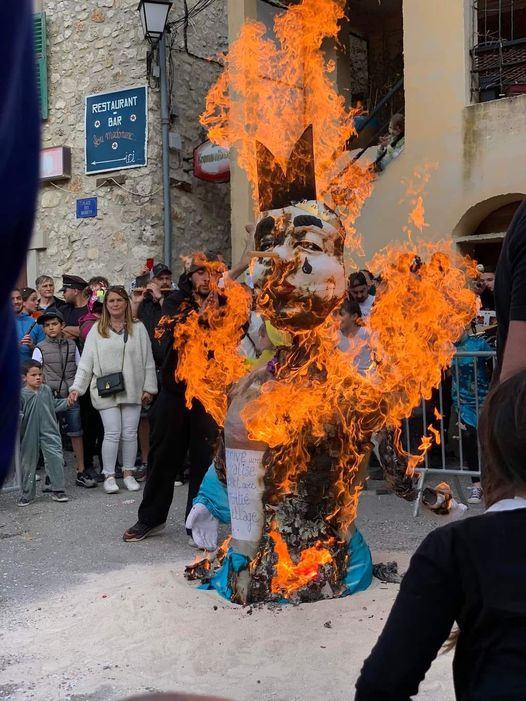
(176, 430)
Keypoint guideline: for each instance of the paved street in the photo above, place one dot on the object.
(86, 616)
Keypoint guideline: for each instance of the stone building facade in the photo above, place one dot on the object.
(97, 46)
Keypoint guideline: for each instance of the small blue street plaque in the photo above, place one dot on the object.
(87, 207)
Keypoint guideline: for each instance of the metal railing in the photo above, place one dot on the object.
(450, 465)
(498, 69)
(390, 104)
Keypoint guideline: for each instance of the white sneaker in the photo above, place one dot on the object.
(178, 483)
(110, 486)
(475, 495)
(131, 484)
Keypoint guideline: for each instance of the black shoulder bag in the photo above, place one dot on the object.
(113, 383)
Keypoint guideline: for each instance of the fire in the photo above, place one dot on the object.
(317, 414)
(207, 343)
(291, 576)
(271, 91)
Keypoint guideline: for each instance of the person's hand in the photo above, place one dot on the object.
(73, 397)
(249, 243)
(204, 527)
(146, 398)
(27, 341)
(211, 301)
(155, 289)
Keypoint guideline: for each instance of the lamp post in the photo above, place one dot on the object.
(154, 17)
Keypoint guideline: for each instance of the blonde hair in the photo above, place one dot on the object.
(104, 323)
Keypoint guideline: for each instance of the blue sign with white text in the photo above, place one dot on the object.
(87, 207)
(116, 130)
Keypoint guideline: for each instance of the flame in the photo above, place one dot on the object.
(289, 575)
(271, 91)
(438, 416)
(207, 340)
(317, 406)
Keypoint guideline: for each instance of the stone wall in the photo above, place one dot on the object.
(96, 46)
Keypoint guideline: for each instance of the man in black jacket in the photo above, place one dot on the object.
(177, 430)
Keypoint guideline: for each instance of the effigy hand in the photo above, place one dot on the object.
(204, 527)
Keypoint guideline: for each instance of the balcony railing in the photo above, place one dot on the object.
(499, 69)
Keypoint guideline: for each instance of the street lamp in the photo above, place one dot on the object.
(154, 14)
(154, 18)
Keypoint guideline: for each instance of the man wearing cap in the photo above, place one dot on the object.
(76, 304)
(176, 430)
(148, 307)
(359, 292)
(60, 357)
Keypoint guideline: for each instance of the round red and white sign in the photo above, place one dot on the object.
(211, 163)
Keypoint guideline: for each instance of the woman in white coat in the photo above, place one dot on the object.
(116, 344)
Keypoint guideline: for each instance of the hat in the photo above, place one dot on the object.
(72, 282)
(160, 268)
(50, 315)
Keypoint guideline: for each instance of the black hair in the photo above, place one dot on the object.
(308, 220)
(351, 307)
(356, 279)
(26, 367)
(98, 280)
(502, 433)
(26, 293)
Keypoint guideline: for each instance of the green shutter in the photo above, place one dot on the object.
(41, 61)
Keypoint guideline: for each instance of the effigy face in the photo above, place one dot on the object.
(301, 279)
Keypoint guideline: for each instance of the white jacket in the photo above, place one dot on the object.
(103, 356)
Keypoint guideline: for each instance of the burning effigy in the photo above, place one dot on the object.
(298, 431)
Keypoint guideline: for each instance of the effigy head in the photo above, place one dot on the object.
(298, 275)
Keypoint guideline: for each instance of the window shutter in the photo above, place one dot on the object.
(41, 61)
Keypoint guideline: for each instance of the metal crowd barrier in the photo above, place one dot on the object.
(449, 467)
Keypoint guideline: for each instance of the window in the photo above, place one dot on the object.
(41, 61)
(499, 51)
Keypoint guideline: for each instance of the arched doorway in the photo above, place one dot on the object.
(480, 232)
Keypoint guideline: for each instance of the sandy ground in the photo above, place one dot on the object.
(144, 628)
(86, 617)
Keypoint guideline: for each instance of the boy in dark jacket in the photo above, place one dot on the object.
(59, 357)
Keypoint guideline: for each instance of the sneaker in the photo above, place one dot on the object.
(110, 486)
(178, 483)
(97, 477)
(46, 489)
(37, 477)
(84, 480)
(24, 501)
(192, 543)
(59, 496)
(475, 495)
(140, 531)
(131, 484)
(140, 473)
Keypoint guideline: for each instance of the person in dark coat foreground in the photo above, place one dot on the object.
(472, 572)
(19, 156)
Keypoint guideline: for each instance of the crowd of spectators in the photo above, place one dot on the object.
(97, 332)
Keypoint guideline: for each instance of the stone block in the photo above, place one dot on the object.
(98, 15)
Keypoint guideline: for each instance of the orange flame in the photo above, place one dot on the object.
(207, 344)
(271, 91)
(291, 576)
